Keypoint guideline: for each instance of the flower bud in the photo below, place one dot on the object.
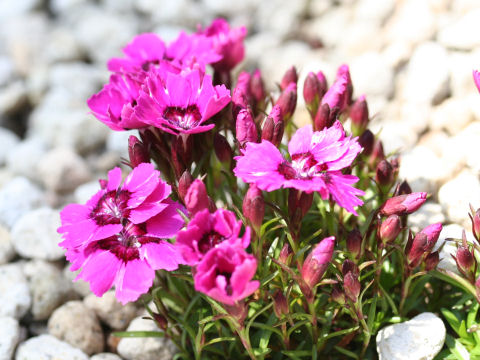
(349, 266)
(137, 152)
(257, 88)
(161, 321)
(280, 305)
(389, 229)
(254, 206)
(416, 248)
(313, 91)
(465, 259)
(477, 285)
(385, 175)
(222, 148)
(299, 202)
(241, 94)
(285, 255)
(432, 260)
(246, 130)
(182, 147)
(339, 94)
(196, 198)
(323, 83)
(359, 116)
(324, 117)
(402, 189)
(288, 101)
(317, 261)
(343, 71)
(352, 286)
(273, 126)
(476, 79)
(289, 77)
(433, 233)
(338, 295)
(366, 140)
(475, 218)
(377, 154)
(184, 183)
(354, 243)
(403, 204)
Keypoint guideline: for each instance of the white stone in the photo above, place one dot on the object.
(117, 141)
(59, 7)
(9, 337)
(77, 325)
(372, 76)
(13, 97)
(48, 287)
(7, 70)
(284, 16)
(8, 140)
(429, 213)
(7, 252)
(85, 191)
(47, 347)
(15, 297)
(35, 236)
(105, 356)
(463, 33)
(452, 115)
(423, 169)
(80, 286)
(461, 64)
(17, 197)
(11, 8)
(22, 159)
(428, 77)
(374, 11)
(145, 348)
(186, 12)
(110, 311)
(62, 170)
(465, 146)
(422, 337)
(456, 195)
(335, 18)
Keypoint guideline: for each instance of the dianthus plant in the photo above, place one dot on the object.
(245, 234)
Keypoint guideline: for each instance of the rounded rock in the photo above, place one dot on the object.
(47, 347)
(15, 296)
(9, 336)
(145, 348)
(105, 356)
(422, 337)
(7, 252)
(110, 311)
(77, 325)
(35, 236)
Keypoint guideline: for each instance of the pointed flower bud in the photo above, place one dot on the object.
(254, 206)
(246, 130)
(196, 198)
(377, 153)
(338, 295)
(182, 152)
(344, 71)
(161, 321)
(359, 116)
(349, 266)
(475, 218)
(317, 261)
(352, 286)
(432, 260)
(257, 88)
(354, 243)
(284, 256)
(312, 93)
(416, 249)
(385, 175)
(299, 202)
(137, 152)
(280, 305)
(339, 94)
(289, 77)
(184, 183)
(366, 140)
(241, 94)
(476, 79)
(465, 259)
(222, 148)
(389, 229)
(402, 189)
(273, 126)
(324, 117)
(288, 101)
(403, 204)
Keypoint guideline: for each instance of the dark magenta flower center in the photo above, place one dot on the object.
(209, 240)
(303, 167)
(185, 118)
(111, 208)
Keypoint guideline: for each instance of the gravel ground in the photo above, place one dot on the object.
(412, 59)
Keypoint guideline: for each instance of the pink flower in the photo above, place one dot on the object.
(228, 42)
(117, 236)
(141, 53)
(206, 231)
(180, 103)
(188, 50)
(114, 105)
(476, 79)
(225, 274)
(403, 204)
(336, 95)
(317, 158)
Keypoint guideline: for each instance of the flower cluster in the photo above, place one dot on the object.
(230, 212)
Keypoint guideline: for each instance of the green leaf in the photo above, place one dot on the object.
(220, 339)
(456, 348)
(452, 320)
(267, 327)
(472, 315)
(346, 352)
(138, 334)
(371, 314)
